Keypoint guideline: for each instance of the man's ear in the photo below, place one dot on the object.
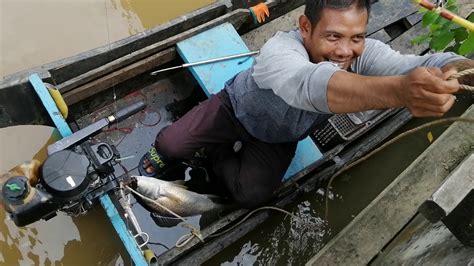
(305, 26)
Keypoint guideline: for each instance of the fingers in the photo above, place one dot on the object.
(435, 99)
(437, 81)
(427, 92)
(434, 110)
(449, 73)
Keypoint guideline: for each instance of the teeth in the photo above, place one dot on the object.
(340, 65)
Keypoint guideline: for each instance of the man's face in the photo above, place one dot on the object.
(339, 36)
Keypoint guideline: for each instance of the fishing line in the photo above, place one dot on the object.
(409, 132)
(184, 239)
(109, 55)
(397, 138)
(253, 212)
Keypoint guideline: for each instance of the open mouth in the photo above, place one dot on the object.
(338, 63)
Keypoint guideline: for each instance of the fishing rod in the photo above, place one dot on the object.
(208, 61)
(446, 14)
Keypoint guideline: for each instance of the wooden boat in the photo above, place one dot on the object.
(91, 81)
(91, 72)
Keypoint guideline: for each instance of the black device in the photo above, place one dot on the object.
(75, 174)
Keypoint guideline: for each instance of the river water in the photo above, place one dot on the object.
(35, 32)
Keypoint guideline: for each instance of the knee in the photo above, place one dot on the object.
(167, 146)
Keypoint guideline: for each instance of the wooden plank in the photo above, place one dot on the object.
(386, 12)
(220, 41)
(256, 38)
(236, 18)
(381, 35)
(119, 76)
(71, 67)
(430, 244)
(403, 42)
(363, 238)
(171, 255)
(413, 19)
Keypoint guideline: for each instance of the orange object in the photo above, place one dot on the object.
(260, 12)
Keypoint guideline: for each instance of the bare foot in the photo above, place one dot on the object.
(148, 166)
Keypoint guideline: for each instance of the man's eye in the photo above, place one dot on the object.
(333, 37)
(358, 39)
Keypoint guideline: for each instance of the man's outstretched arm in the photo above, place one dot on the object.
(424, 91)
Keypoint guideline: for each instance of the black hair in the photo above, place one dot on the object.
(314, 8)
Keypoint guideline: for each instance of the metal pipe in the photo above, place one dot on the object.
(208, 61)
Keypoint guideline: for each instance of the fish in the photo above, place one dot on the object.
(175, 197)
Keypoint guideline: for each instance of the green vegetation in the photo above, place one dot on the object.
(445, 35)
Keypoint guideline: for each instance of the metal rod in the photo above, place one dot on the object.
(207, 61)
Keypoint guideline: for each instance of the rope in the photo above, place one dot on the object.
(441, 121)
(183, 240)
(194, 232)
(463, 73)
(404, 134)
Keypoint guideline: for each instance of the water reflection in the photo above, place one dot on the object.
(38, 244)
(154, 12)
(62, 238)
(37, 32)
(284, 240)
(275, 243)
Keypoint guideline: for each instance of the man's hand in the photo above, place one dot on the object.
(459, 66)
(427, 92)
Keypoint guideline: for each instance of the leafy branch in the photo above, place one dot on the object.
(445, 35)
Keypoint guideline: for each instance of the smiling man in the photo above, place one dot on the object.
(248, 132)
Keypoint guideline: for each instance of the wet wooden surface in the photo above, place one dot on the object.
(379, 222)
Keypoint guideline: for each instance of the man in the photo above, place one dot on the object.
(248, 132)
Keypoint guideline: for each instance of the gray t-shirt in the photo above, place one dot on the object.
(283, 96)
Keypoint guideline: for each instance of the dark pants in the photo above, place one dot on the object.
(210, 129)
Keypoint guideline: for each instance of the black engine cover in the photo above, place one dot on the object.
(64, 174)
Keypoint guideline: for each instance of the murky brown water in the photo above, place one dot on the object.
(35, 32)
(61, 239)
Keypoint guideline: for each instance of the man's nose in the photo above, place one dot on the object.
(344, 49)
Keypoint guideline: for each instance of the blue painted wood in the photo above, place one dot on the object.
(50, 105)
(221, 41)
(64, 129)
(127, 239)
(306, 153)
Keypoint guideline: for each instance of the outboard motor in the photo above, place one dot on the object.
(74, 175)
